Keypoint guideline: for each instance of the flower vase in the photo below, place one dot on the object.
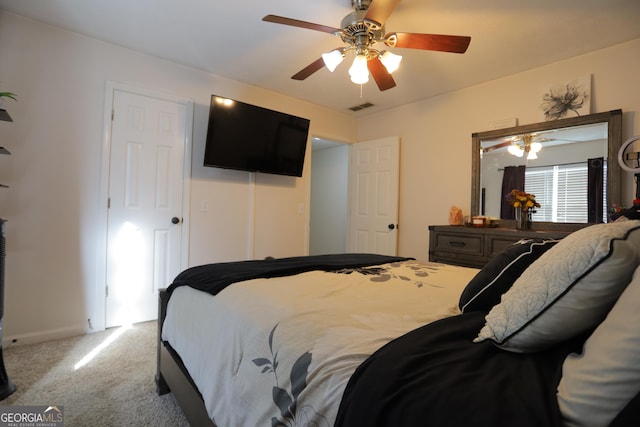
(522, 219)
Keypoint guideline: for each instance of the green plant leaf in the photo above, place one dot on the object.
(8, 95)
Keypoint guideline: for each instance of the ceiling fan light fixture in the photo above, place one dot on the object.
(534, 147)
(332, 59)
(516, 150)
(359, 71)
(532, 155)
(390, 61)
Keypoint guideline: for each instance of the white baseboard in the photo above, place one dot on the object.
(37, 337)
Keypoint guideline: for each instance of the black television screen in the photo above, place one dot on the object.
(247, 137)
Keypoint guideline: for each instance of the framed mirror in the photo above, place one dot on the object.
(560, 159)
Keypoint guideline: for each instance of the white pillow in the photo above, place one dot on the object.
(597, 384)
(568, 290)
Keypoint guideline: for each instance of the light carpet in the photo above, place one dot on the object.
(115, 388)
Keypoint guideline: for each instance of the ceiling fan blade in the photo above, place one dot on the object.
(495, 147)
(380, 74)
(301, 24)
(380, 10)
(308, 70)
(442, 43)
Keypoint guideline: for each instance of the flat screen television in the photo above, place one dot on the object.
(247, 137)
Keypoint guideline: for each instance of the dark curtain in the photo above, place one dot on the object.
(595, 176)
(513, 178)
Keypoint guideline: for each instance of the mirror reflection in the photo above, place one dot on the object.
(570, 165)
(558, 166)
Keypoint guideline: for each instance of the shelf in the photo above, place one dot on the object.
(4, 116)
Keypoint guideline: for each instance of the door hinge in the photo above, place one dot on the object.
(106, 291)
(113, 114)
(108, 202)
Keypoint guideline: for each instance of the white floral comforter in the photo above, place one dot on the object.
(280, 351)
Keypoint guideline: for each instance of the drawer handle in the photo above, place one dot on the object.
(457, 244)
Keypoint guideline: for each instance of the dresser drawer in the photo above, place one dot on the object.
(458, 243)
(474, 247)
(455, 258)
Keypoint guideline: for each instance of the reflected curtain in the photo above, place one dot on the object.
(595, 177)
(513, 178)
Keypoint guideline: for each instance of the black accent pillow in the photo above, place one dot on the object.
(486, 288)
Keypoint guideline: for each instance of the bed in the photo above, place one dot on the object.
(364, 339)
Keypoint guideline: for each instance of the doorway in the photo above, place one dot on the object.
(329, 197)
(149, 159)
(354, 196)
(374, 178)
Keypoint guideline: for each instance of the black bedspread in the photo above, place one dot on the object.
(213, 278)
(436, 376)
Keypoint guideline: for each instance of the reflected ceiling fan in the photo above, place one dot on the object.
(360, 31)
(519, 145)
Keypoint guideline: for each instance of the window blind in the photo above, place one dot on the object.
(561, 191)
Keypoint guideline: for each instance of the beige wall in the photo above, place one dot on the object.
(436, 133)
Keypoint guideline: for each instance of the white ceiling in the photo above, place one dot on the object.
(231, 40)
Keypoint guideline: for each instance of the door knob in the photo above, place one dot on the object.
(391, 226)
(175, 220)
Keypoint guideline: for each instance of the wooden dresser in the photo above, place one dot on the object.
(474, 247)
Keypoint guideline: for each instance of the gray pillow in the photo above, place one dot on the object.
(599, 383)
(568, 290)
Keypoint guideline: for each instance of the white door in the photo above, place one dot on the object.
(145, 204)
(374, 178)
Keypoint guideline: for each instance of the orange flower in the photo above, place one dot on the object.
(520, 199)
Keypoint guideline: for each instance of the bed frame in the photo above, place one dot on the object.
(172, 376)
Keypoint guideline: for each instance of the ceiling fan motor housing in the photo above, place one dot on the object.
(360, 4)
(358, 32)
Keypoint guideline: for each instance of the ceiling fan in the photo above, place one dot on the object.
(360, 31)
(519, 145)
